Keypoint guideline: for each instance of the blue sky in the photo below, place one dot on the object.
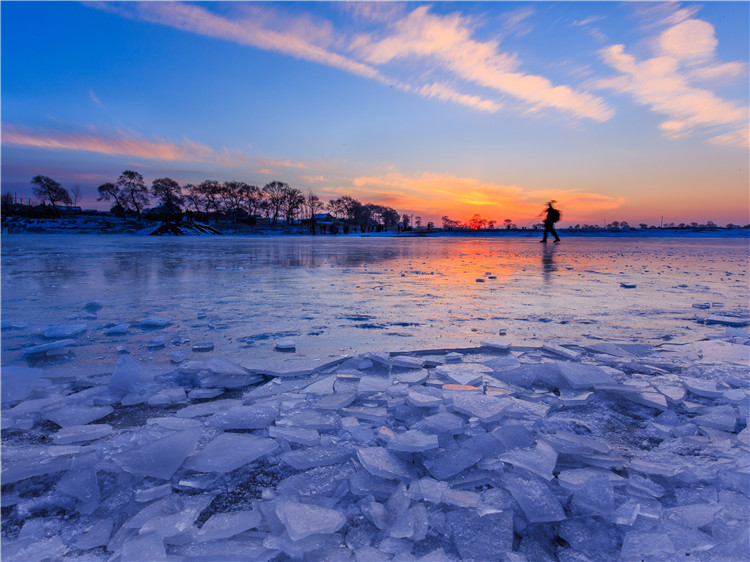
(619, 111)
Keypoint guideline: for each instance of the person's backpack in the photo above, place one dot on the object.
(553, 215)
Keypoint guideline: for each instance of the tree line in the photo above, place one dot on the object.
(276, 201)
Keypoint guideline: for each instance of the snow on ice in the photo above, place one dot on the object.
(555, 452)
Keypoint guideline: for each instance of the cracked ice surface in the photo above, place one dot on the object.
(606, 448)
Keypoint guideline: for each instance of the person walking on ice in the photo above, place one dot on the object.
(553, 215)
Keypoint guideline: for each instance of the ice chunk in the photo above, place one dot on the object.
(727, 320)
(579, 375)
(535, 498)
(77, 415)
(229, 451)
(576, 478)
(177, 356)
(497, 345)
(413, 441)
(379, 461)
(160, 458)
(18, 382)
(225, 525)
(540, 461)
(406, 362)
(372, 384)
(422, 400)
(148, 546)
(638, 545)
(481, 538)
(285, 346)
(514, 436)
(487, 408)
(304, 436)
(453, 357)
(206, 408)
(81, 483)
(561, 351)
(571, 443)
(302, 520)
(204, 393)
(128, 375)
(336, 401)
(412, 377)
(596, 497)
(322, 386)
(718, 417)
(47, 348)
(96, 535)
(464, 373)
(175, 423)
(81, 433)
(117, 329)
(309, 418)
(377, 414)
(570, 397)
(154, 322)
(256, 416)
(157, 342)
(445, 422)
(64, 331)
(452, 462)
(151, 494)
(167, 396)
(302, 459)
(203, 347)
(674, 393)
(694, 515)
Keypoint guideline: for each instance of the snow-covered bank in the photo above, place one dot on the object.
(609, 451)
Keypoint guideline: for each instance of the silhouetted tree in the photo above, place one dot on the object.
(76, 193)
(292, 202)
(275, 192)
(210, 192)
(336, 207)
(253, 198)
(109, 191)
(313, 204)
(47, 189)
(418, 221)
(193, 197)
(167, 191)
(405, 221)
(133, 190)
(233, 195)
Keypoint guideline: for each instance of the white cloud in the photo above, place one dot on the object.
(686, 52)
(447, 42)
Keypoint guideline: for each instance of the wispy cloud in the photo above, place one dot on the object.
(119, 143)
(447, 42)
(95, 99)
(419, 36)
(685, 53)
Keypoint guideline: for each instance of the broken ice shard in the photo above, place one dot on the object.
(225, 525)
(413, 441)
(160, 458)
(579, 375)
(230, 451)
(487, 408)
(81, 433)
(18, 382)
(379, 461)
(64, 331)
(302, 520)
(535, 498)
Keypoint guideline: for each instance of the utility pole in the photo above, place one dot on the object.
(661, 224)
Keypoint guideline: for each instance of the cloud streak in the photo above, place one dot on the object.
(685, 54)
(420, 36)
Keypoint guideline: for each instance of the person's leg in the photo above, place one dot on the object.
(546, 231)
(554, 233)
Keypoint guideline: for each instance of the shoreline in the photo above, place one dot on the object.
(116, 226)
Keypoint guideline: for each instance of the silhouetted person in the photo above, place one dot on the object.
(553, 215)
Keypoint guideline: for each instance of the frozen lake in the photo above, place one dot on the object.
(351, 295)
(593, 406)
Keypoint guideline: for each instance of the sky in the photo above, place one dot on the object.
(618, 111)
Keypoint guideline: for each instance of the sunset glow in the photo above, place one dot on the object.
(618, 111)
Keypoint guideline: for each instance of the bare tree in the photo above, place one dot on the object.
(47, 189)
(211, 192)
(313, 204)
(233, 193)
(108, 191)
(193, 197)
(76, 192)
(253, 198)
(167, 191)
(133, 190)
(275, 193)
(292, 202)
